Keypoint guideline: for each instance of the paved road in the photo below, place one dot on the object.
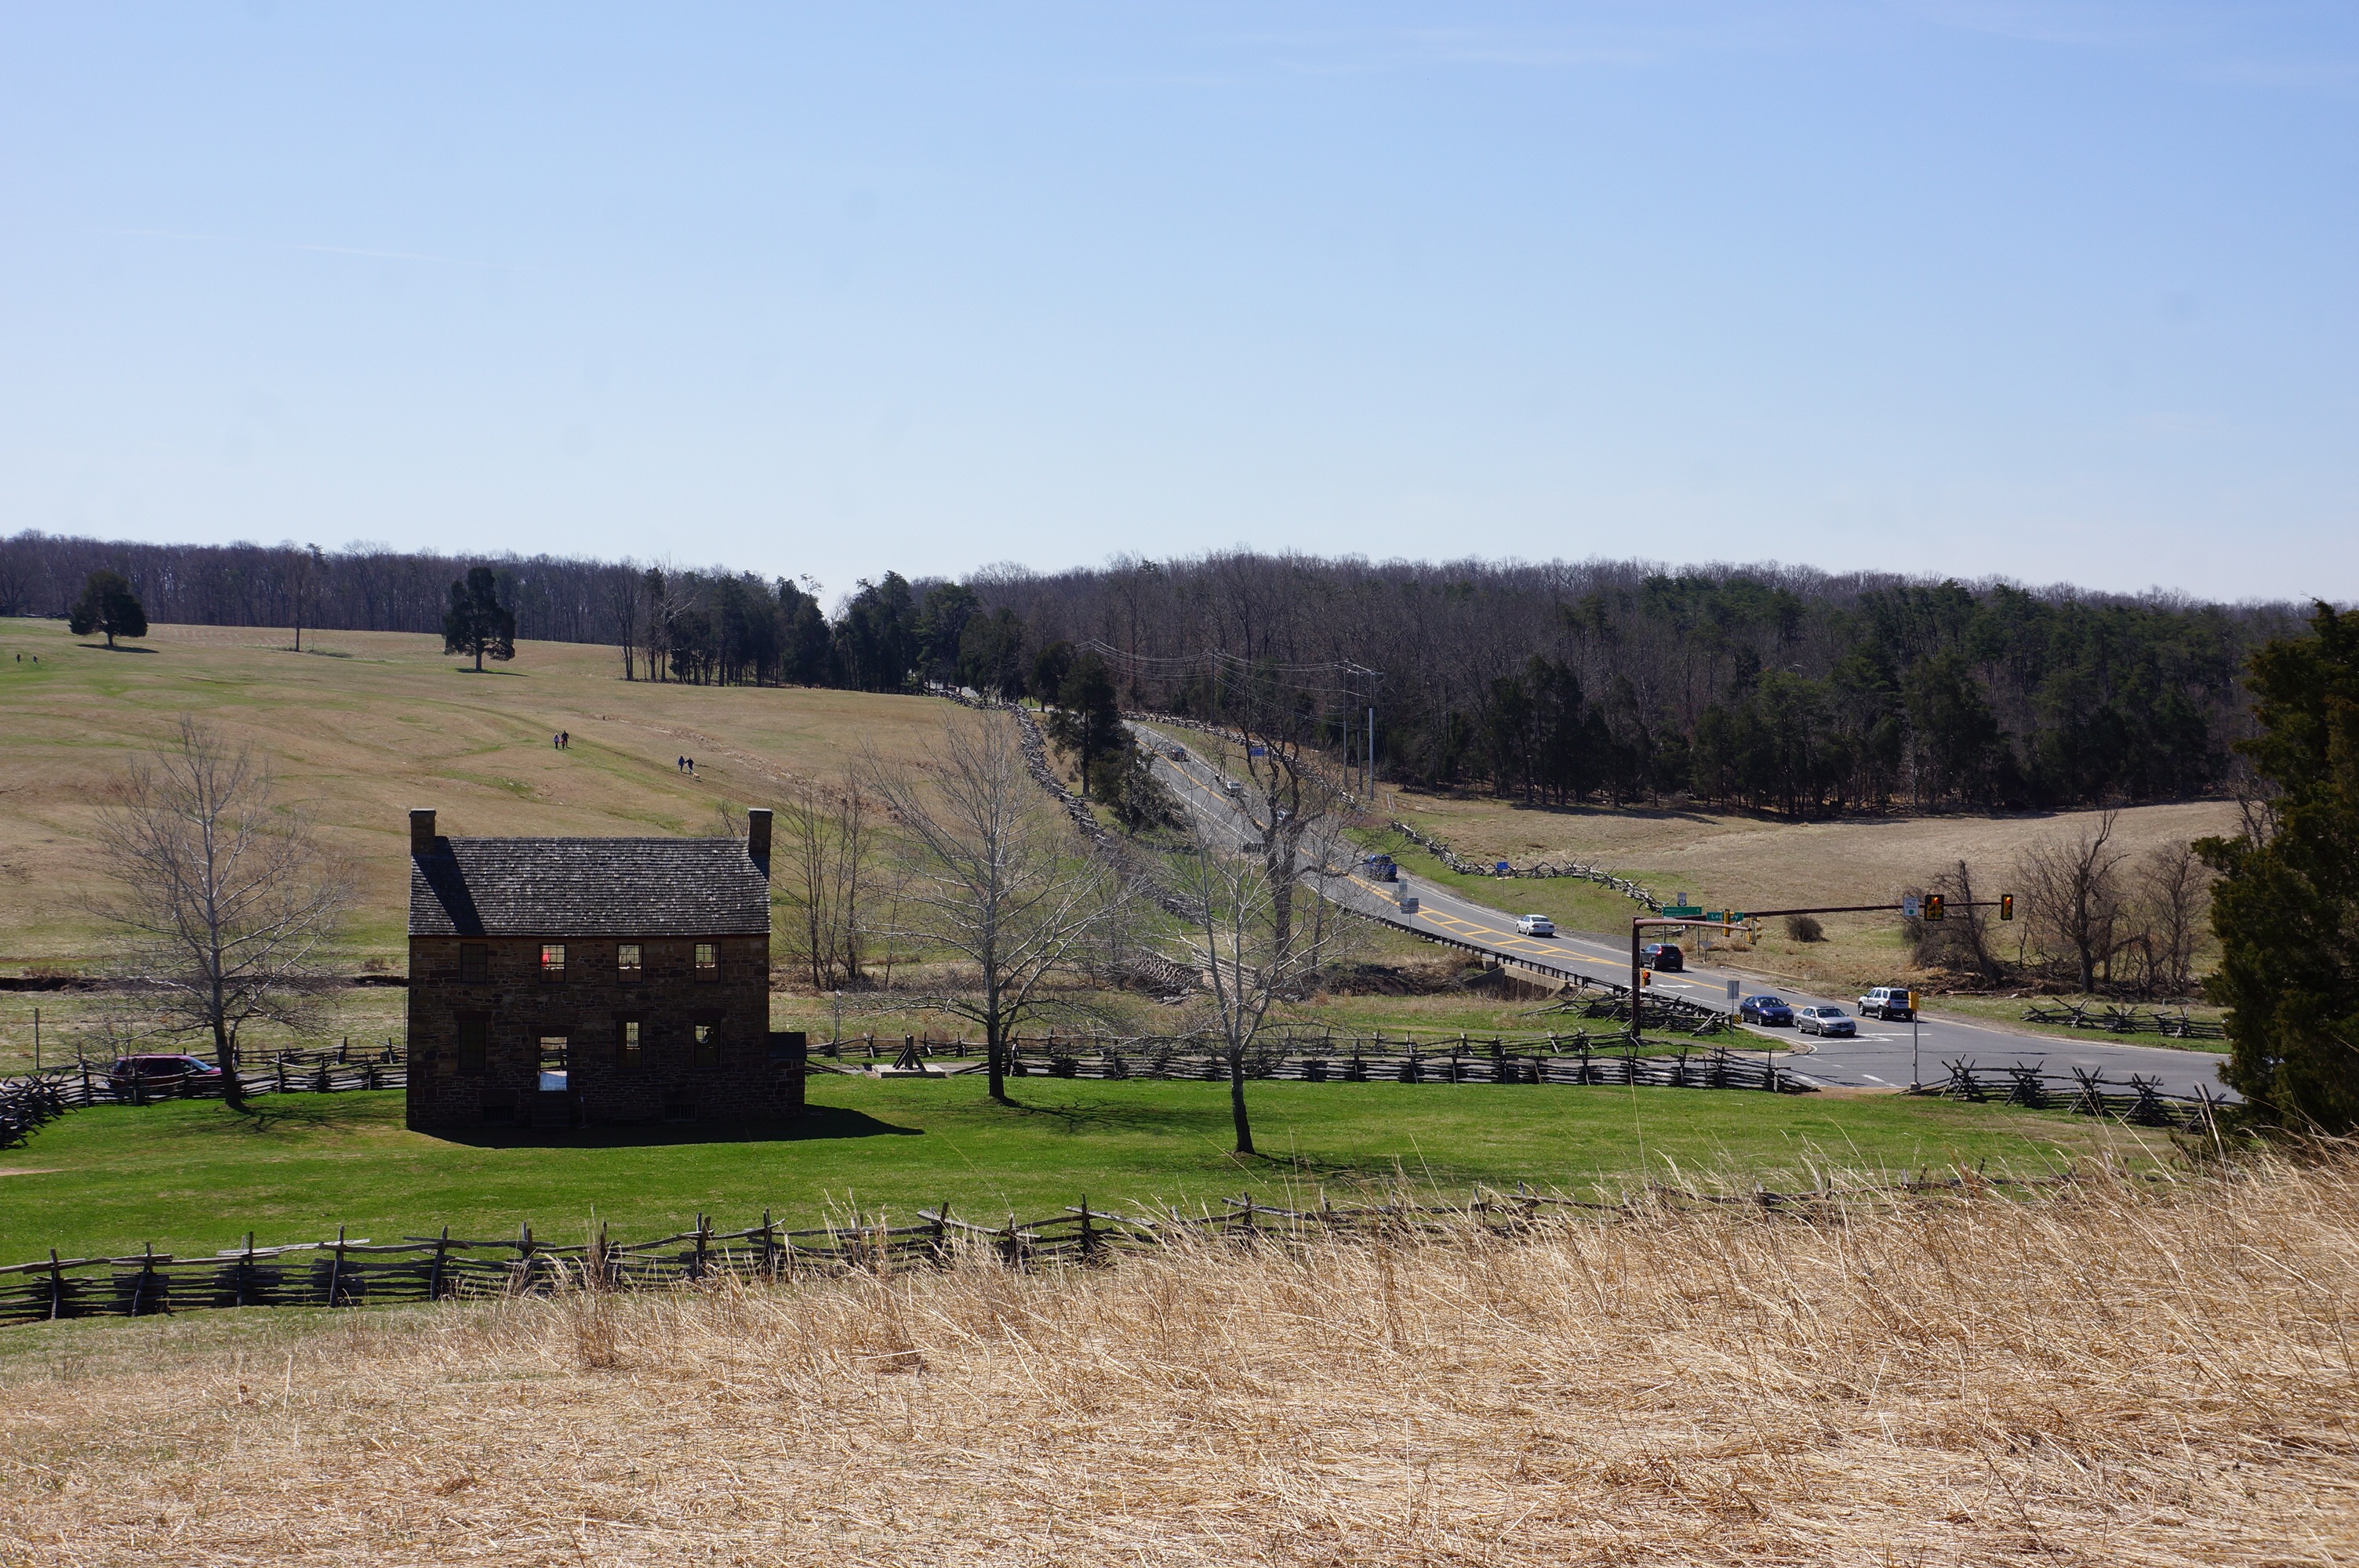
(1882, 1056)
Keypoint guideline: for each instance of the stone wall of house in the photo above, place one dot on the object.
(746, 1075)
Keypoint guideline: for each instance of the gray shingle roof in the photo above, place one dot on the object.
(588, 887)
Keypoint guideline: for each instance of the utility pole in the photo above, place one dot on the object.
(1367, 769)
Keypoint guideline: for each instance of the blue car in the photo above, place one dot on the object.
(1769, 1010)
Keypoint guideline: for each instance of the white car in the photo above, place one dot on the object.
(1887, 1002)
(1824, 1020)
(1536, 925)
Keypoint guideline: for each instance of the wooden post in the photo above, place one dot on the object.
(147, 1279)
(697, 1272)
(434, 1274)
(246, 1269)
(57, 1288)
(336, 1266)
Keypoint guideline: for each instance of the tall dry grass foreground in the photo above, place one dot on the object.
(2130, 1375)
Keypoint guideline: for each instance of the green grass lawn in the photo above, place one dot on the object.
(191, 1176)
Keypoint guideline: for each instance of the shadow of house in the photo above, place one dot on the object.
(561, 983)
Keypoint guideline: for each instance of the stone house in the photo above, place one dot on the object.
(582, 982)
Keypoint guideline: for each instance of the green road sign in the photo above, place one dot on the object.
(1682, 911)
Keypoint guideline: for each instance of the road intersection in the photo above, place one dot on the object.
(1882, 1056)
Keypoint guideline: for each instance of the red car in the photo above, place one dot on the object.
(163, 1073)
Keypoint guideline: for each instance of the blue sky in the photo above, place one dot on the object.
(2057, 292)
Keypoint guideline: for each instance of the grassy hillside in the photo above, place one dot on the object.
(193, 1175)
(363, 726)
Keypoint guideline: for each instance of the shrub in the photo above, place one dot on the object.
(1805, 928)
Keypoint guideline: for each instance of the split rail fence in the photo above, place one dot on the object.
(34, 1098)
(2137, 1100)
(1577, 1057)
(350, 1272)
(2113, 1019)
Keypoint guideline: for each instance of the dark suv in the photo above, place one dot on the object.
(162, 1074)
(1667, 957)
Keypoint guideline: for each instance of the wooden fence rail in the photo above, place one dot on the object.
(1575, 1058)
(2139, 1100)
(27, 1101)
(356, 1272)
(2113, 1019)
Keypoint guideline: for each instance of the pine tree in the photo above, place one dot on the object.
(2287, 908)
(477, 621)
(1089, 725)
(107, 605)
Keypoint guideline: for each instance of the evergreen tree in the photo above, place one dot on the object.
(942, 628)
(877, 638)
(108, 605)
(991, 654)
(477, 621)
(2287, 908)
(1049, 669)
(1088, 723)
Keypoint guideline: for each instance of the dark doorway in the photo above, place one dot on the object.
(553, 1105)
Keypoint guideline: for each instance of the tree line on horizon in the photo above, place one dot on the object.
(1777, 688)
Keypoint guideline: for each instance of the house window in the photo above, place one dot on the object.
(474, 963)
(475, 1029)
(708, 960)
(707, 1045)
(627, 965)
(552, 961)
(627, 1043)
(555, 1068)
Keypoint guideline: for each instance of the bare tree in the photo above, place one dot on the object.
(2073, 895)
(992, 875)
(2174, 892)
(1248, 935)
(1291, 798)
(622, 590)
(226, 900)
(829, 846)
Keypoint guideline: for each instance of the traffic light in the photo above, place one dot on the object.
(1645, 979)
(1932, 907)
(2007, 906)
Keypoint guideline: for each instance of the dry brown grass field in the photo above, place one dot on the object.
(363, 726)
(2138, 1373)
(374, 723)
(1724, 859)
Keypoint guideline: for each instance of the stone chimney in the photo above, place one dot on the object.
(757, 834)
(421, 832)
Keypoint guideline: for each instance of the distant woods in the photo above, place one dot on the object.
(1774, 688)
